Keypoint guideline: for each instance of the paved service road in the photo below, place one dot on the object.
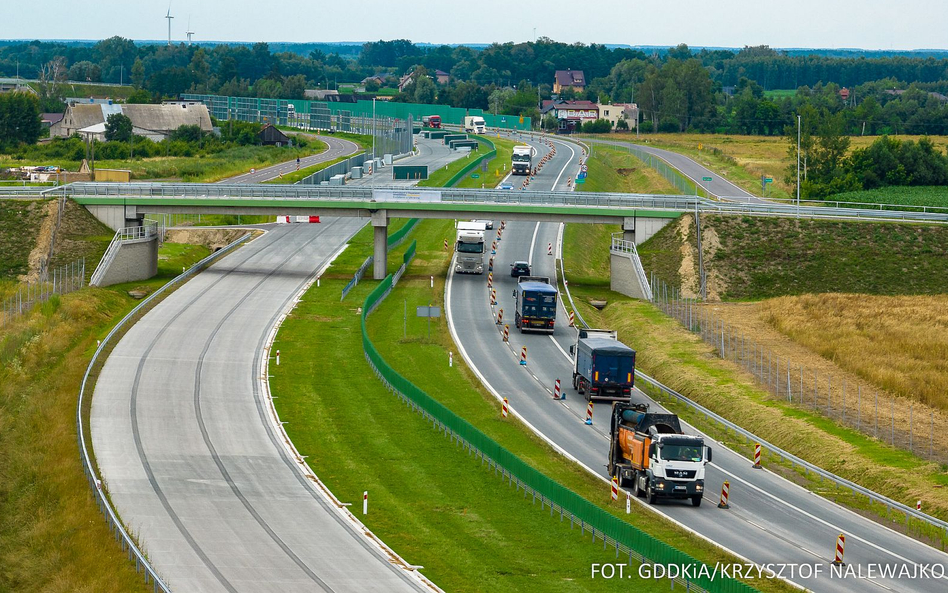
(770, 521)
(718, 187)
(336, 147)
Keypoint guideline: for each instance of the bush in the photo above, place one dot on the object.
(600, 126)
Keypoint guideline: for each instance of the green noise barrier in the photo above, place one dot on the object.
(475, 162)
(626, 539)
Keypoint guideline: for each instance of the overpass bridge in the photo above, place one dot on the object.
(641, 215)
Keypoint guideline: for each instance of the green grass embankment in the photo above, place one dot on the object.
(52, 535)
(490, 178)
(432, 503)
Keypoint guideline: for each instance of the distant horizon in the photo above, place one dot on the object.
(474, 43)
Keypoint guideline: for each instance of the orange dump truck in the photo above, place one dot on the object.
(650, 453)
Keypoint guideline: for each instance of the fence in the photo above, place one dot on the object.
(836, 398)
(61, 280)
(475, 162)
(319, 113)
(624, 538)
(660, 391)
(340, 168)
(102, 500)
(357, 276)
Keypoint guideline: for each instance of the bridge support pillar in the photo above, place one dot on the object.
(380, 224)
(640, 229)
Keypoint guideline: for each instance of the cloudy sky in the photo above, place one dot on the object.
(867, 24)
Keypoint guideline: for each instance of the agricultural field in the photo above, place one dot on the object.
(909, 196)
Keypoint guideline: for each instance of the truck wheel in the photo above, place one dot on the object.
(635, 486)
(575, 383)
(696, 500)
(650, 494)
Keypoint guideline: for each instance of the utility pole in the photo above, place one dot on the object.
(799, 122)
(373, 128)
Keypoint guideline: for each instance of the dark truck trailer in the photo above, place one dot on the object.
(604, 369)
(535, 308)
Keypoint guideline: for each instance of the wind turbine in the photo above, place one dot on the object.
(189, 32)
(169, 17)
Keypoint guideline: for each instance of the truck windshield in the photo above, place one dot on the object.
(470, 247)
(521, 157)
(670, 452)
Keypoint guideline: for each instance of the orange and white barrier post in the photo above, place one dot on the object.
(571, 319)
(493, 247)
(493, 296)
(278, 358)
(365, 502)
(918, 506)
(756, 455)
(500, 317)
(450, 359)
(490, 279)
(549, 249)
(317, 281)
(445, 244)
(490, 265)
(523, 356)
(628, 503)
(506, 333)
(840, 546)
(725, 492)
(503, 410)
(556, 390)
(615, 488)
(569, 181)
(589, 413)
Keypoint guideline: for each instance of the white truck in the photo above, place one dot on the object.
(470, 248)
(474, 124)
(521, 160)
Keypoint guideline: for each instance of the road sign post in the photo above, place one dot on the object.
(428, 312)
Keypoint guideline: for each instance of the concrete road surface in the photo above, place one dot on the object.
(337, 147)
(770, 521)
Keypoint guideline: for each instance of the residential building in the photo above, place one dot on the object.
(574, 79)
(571, 114)
(441, 77)
(620, 111)
(270, 136)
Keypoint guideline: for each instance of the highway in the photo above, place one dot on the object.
(192, 453)
(770, 521)
(336, 147)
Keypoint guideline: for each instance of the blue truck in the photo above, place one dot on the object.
(603, 367)
(535, 308)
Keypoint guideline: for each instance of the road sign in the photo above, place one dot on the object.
(706, 179)
(584, 168)
(429, 312)
(580, 180)
(769, 180)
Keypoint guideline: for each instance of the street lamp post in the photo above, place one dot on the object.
(799, 120)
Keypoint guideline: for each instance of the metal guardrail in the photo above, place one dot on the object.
(115, 524)
(620, 245)
(793, 459)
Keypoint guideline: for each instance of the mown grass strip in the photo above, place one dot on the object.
(52, 535)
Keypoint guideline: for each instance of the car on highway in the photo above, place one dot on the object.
(506, 186)
(488, 224)
(519, 268)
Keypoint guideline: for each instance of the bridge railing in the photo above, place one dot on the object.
(285, 195)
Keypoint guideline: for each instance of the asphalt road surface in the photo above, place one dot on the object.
(770, 520)
(718, 187)
(187, 444)
(337, 147)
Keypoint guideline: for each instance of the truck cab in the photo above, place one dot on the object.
(475, 124)
(470, 248)
(650, 452)
(521, 161)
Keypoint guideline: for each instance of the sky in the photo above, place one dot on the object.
(865, 24)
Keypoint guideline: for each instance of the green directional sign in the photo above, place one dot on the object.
(769, 180)
(706, 179)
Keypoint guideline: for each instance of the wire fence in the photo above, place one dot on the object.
(60, 280)
(615, 534)
(903, 424)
